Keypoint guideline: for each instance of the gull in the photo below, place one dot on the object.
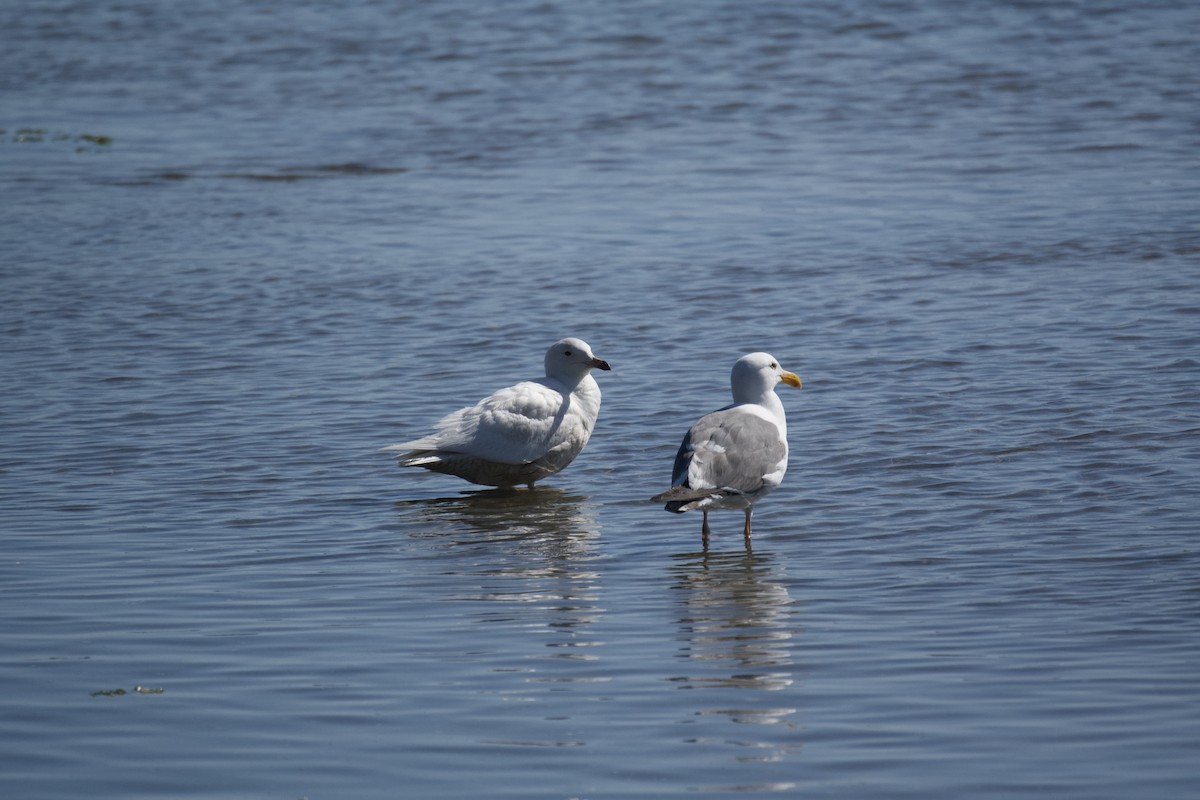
(519, 434)
(735, 456)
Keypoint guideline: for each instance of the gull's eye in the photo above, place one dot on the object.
(567, 353)
(774, 365)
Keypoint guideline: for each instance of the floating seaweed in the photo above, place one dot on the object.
(118, 692)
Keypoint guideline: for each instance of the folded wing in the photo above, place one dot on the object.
(515, 425)
(731, 450)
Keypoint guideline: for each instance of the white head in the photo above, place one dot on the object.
(756, 375)
(568, 360)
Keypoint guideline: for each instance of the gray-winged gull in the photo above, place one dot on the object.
(519, 434)
(735, 456)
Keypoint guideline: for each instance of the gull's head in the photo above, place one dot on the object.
(756, 374)
(571, 359)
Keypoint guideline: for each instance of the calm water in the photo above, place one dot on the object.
(246, 245)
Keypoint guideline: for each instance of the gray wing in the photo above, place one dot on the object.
(728, 449)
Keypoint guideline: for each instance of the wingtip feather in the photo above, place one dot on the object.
(680, 493)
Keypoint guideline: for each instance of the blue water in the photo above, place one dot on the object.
(245, 246)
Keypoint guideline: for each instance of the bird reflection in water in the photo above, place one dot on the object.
(736, 628)
(527, 554)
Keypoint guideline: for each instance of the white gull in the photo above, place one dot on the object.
(519, 434)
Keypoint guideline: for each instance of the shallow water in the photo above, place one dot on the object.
(246, 247)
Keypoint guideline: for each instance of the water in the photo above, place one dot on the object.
(245, 246)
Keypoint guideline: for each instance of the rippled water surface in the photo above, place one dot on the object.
(247, 245)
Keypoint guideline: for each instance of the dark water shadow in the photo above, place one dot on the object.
(736, 625)
(503, 515)
(515, 557)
